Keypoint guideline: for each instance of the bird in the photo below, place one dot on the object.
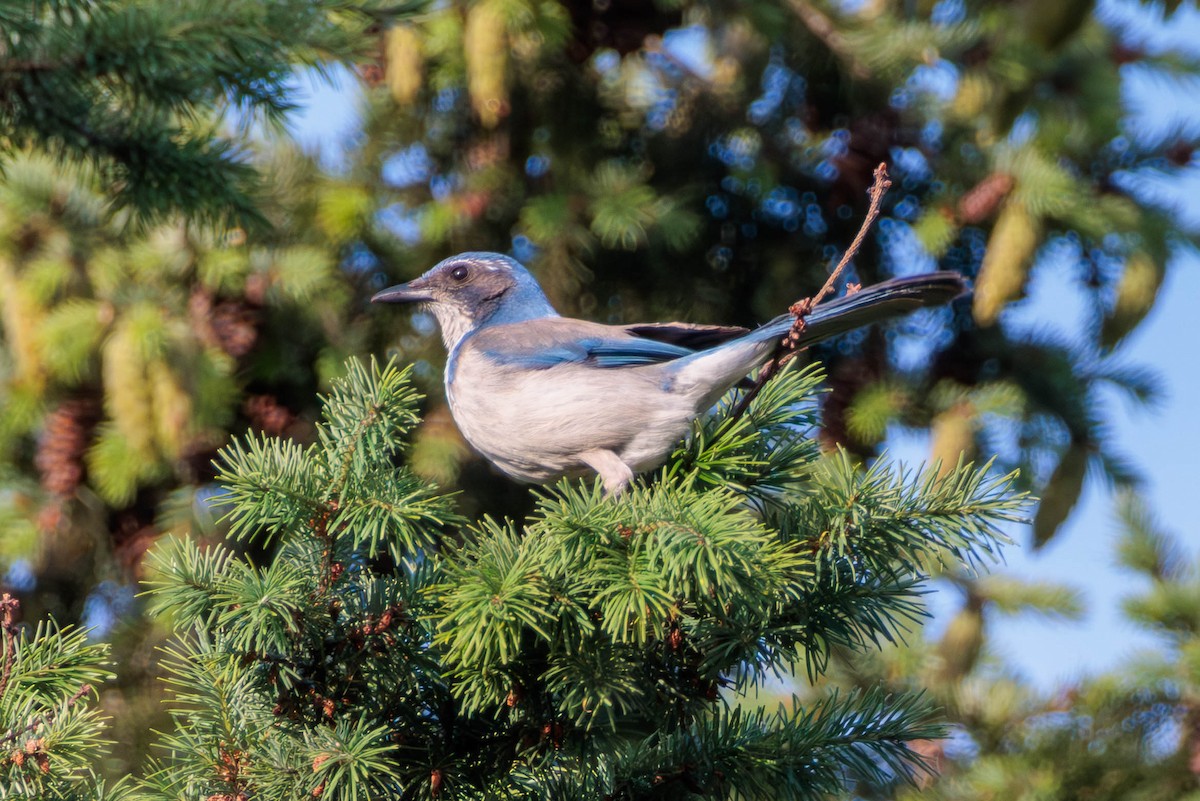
(545, 397)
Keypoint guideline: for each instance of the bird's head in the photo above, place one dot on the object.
(470, 290)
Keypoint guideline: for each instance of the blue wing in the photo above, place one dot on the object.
(595, 352)
(546, 343)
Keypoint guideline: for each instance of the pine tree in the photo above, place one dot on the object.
(51, 734)
(131, 353)
(1127, 733)
(135, 90)
(638, 186)
(596, 649)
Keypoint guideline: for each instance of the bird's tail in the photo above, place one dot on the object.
(723, 366)
(870, 304)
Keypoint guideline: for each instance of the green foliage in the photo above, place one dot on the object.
(380, 653)
(51, 733)
(337, 481)
(133, 89)
(130, 353)
(1123, 734)
(764, 455)
(640, 180)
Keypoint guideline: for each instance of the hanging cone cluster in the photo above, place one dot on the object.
(267, 414)
(962, 643)
(1010, 251)
(66, 434)
(404, 63)
(953, 436)
(231, 325)
(485, 46)
(1061, 493)
(1136, 293)
(982, 200)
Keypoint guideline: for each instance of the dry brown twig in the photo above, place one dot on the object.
(800, 309)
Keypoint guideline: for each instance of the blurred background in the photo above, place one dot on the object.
(188, 244)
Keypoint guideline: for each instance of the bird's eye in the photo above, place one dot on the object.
(460, 273)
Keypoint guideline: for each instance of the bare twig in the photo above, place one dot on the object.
(878, 189)
(789, 346)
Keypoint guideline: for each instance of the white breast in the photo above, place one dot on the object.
(534, 423)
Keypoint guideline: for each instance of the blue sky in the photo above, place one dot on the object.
(1164, 441)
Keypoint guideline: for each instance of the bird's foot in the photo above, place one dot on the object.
(615, 474)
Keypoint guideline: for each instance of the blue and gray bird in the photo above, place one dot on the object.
(543, 396)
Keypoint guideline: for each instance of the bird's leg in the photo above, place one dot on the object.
(615, 474)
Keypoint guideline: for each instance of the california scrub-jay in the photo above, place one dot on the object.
(543, 396)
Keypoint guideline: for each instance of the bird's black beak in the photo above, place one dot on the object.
(412, 292)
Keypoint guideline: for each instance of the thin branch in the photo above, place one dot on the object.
(801, 308)
(823, 28)
(878, 189)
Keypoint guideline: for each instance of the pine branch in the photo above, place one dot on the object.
(124, 86)
(804, 754)
(271, 486)
(46, 718)
(888, 515)
(49, 741)
(369, 649)
(366, 412)
(765, 454)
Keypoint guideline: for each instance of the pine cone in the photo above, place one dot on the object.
(66, 433)
(981, 201)
(235, 326)
(267, 414)
(231, 325)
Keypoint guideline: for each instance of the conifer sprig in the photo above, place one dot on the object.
(133, 89)
(801, 752)
(51, 734)
(888, 514)
(765, 453)
(345, 481)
